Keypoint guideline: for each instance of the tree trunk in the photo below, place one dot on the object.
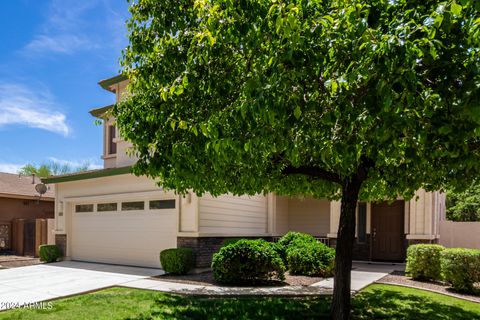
(344, 250)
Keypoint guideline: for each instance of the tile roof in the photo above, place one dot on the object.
(21, 186)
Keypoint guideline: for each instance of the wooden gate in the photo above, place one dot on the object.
(28, 235)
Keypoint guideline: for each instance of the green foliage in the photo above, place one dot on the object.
(49, 253)
(311, 259)
(291, 239)
(247, 262)
(51, 169)
(177, 260)
(464, 205)
(229, 241)
(461, 268)
(263, 96)
(423, 261)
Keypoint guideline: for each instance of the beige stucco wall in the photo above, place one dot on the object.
(188, 213)
(302, 215)
(280, 216)
(229, 215)
(50, 231)
(424, 212)
(123, 157)
(459, 234)
(309, 215)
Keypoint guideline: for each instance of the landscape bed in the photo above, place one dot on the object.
(206, 279)
(399, 278)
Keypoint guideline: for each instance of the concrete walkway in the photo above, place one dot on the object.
(363, 274)
(183, 288)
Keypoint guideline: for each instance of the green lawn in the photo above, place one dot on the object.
(375, 302)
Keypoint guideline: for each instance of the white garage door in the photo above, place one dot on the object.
(128, 232)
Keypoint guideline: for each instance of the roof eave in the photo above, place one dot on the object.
(26, 197)
(108, 83)
(100, 112)
(87, 175)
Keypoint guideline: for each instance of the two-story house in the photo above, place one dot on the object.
(113, 216)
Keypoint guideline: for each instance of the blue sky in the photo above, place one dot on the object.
(52, 55)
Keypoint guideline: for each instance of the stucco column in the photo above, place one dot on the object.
(334, 218)
(422, 216)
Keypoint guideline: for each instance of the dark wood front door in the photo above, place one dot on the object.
(388, 238)
(29, 238)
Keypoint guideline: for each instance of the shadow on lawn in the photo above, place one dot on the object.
(387, 304)
(377, 304)
(261, 308)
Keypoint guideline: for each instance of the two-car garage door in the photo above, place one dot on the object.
(124, 232)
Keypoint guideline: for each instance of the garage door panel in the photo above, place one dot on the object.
(111, 240)
(132, 238)
(128, 226)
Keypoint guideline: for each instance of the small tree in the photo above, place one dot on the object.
(50, 169)
(336, 99)
(464, 205)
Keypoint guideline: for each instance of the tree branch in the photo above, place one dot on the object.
(313, 172)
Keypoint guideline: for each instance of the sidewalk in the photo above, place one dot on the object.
(363, 274)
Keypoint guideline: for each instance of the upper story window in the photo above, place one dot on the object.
(111, 144)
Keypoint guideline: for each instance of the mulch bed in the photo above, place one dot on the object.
(206, 279)
(13, 261)
(400, 278)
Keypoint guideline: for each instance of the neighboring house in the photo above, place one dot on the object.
(24, 214)
(112, 216)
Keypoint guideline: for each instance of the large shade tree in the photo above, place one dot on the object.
(339, 99)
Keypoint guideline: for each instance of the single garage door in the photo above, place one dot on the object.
(128, 232)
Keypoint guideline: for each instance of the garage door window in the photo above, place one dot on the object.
(134, 205)
(105, 207)
(162, 204)
(84, 208)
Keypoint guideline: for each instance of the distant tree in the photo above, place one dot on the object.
(464, 205)
(51, 169)
(340, 99)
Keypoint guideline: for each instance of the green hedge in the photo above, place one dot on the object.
(49, 253)
(423, 261)
(177, 260)
(229, 241)
(247, 262)
(311, 259)
(461, 268)
(292, 239)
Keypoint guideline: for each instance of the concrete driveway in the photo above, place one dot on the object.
(36, 283)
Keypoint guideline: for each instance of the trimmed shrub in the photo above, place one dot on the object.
(310, 258)
(291, 239)
(247, 262)
(461, 268)
(229, 241)
(423, 261)
(177, 260)
(49, 253)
